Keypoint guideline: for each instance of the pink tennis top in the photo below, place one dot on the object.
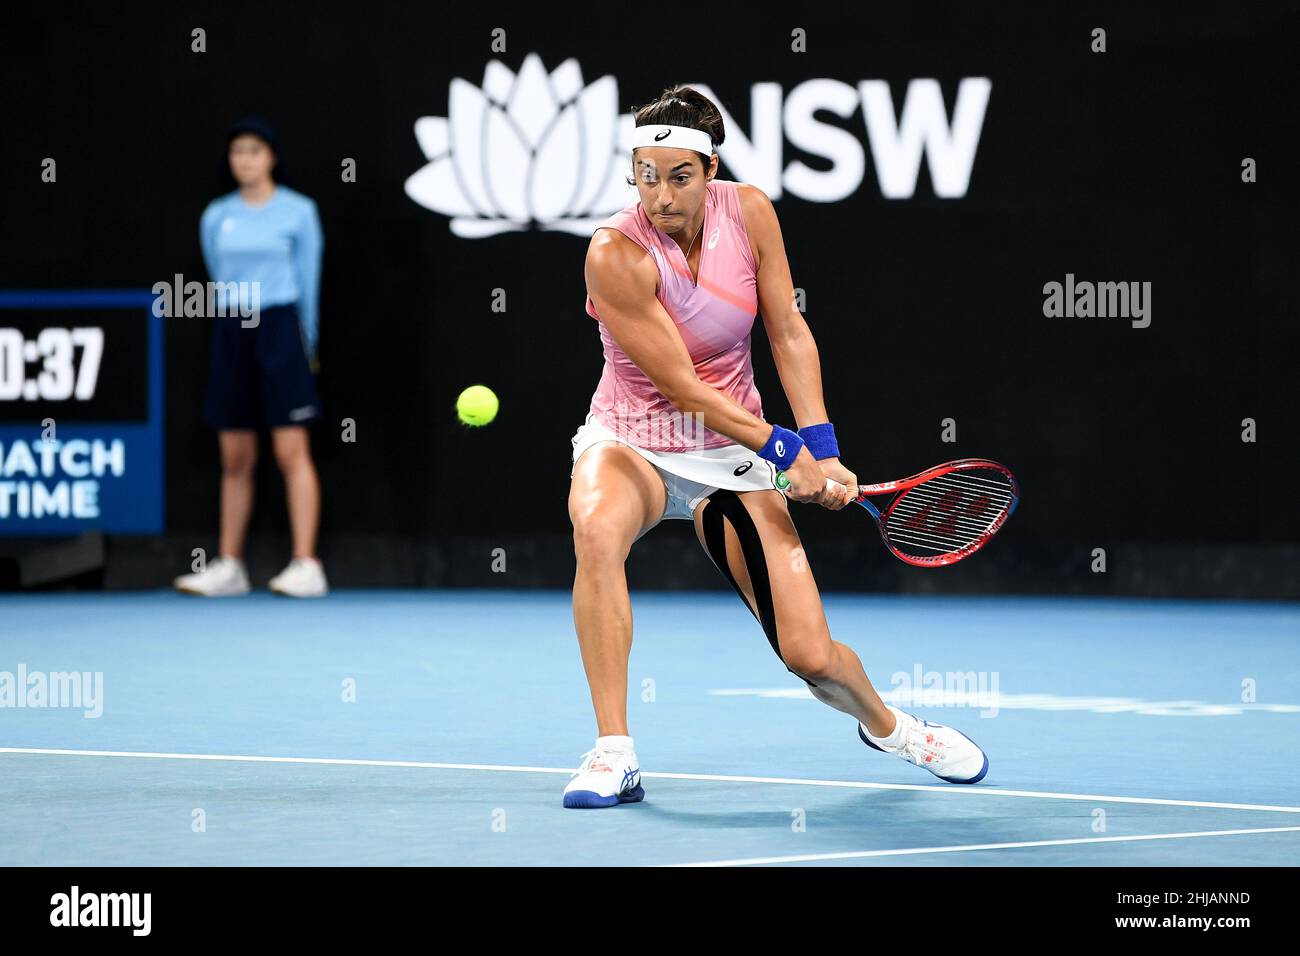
(713, 317)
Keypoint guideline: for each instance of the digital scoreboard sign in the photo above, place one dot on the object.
(81, 413)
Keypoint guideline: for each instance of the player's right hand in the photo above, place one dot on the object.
(807, 482)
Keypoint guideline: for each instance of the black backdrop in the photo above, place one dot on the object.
(1122, 166)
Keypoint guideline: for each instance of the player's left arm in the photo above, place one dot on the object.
(793, 347)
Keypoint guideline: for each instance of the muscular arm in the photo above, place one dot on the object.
(793, 347)
(621, 281)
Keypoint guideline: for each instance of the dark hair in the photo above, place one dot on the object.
(684, 106)
(263, 130)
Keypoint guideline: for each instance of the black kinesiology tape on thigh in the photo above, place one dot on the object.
(724, 504)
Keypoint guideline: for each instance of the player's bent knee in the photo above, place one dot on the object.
(814, 664)
(600, 539)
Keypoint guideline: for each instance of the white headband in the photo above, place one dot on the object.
(676, 137)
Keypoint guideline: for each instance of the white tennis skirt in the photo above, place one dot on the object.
(689, 476)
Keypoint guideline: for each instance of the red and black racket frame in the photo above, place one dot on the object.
(964, 464)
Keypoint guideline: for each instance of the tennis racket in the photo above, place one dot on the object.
(942, 515)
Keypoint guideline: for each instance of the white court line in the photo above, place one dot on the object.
(724, 778)
(860, 854)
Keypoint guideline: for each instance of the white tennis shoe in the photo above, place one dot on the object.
(223, 577)
(606, 778)
(944, 751)
(304, 577)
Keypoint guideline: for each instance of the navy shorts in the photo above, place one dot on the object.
(260, 375)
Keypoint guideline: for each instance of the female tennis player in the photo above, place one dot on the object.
(675, 430)
(263, 235)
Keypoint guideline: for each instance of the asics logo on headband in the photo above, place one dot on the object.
(664, 135)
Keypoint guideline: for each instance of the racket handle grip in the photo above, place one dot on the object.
(782, 482)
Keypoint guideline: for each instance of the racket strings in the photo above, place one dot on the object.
(950, 512)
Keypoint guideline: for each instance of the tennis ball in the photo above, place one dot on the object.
(477, 405)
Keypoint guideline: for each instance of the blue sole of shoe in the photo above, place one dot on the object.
(588, 800)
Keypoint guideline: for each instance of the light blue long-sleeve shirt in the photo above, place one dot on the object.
(277, 245)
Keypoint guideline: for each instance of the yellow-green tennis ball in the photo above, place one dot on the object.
(477, 405)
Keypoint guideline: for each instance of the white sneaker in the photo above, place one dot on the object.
(944, 751)
(304, 577)
(223, 577)
(606, 778)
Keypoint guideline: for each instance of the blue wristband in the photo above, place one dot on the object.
(820, 440)
(782, 447)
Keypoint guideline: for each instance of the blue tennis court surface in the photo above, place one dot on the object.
(439, 727)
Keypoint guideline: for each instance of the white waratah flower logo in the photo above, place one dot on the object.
(526, 150)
